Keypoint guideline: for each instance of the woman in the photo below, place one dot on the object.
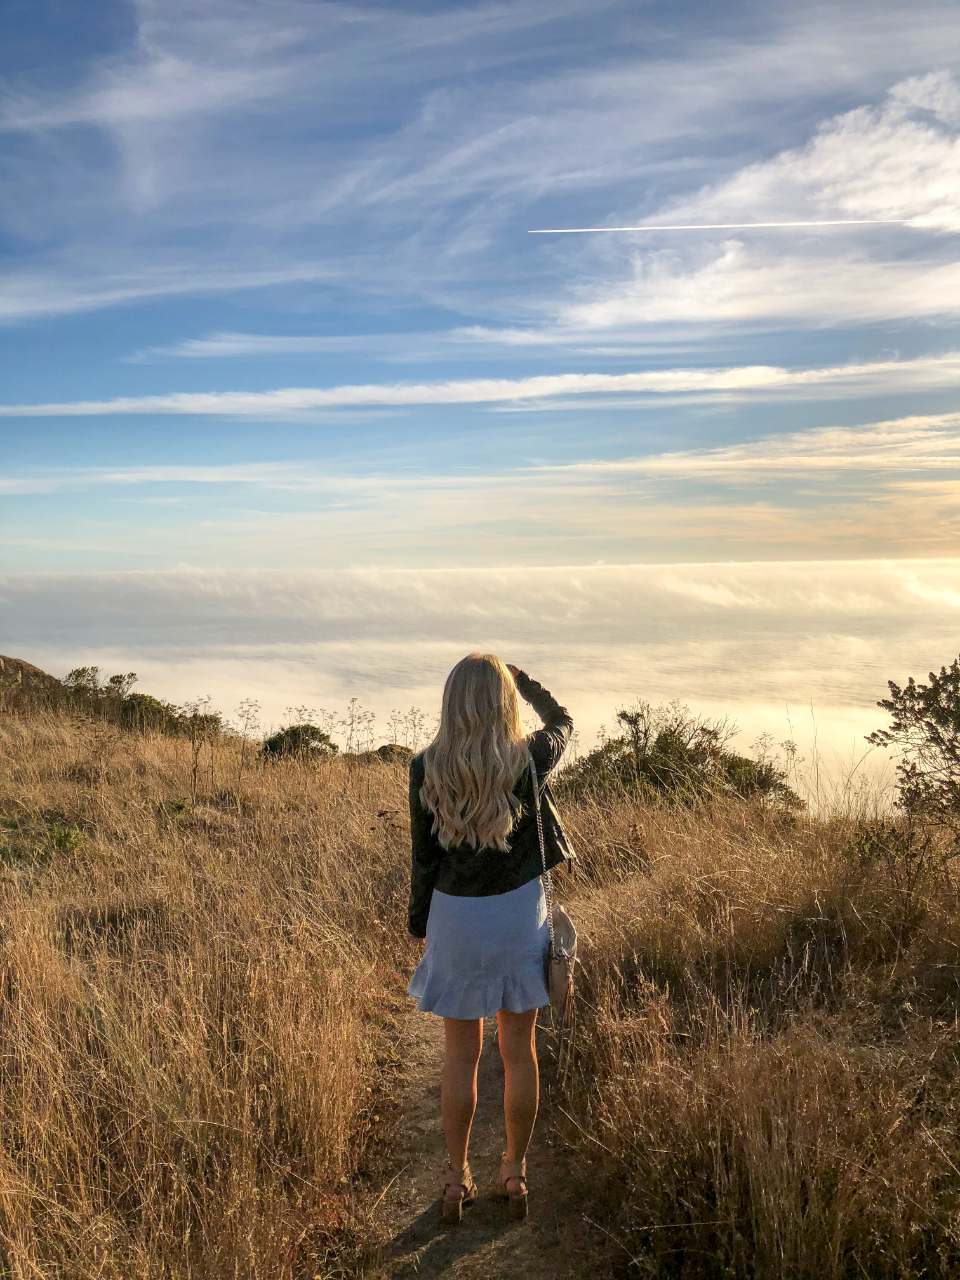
(477, 899)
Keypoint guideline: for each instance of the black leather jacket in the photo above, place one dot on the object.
(468, 872)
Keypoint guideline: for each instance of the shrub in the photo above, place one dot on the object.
(389, 753)
(145, 714)
(299, 740)
(670, 752)
(926, 729)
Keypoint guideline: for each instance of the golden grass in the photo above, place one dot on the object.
(194, 1004)
(764, 1077)
(198, 1006)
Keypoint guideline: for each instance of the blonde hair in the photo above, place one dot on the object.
(472, 765)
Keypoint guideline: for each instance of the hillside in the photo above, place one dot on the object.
(14, 671)
(210, 1068)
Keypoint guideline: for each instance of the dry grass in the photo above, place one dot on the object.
(764, 1079)
(197, 1004)
(195, 1001)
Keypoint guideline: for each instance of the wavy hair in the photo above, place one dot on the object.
(472, 765)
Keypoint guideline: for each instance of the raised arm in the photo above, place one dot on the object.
(547, 744)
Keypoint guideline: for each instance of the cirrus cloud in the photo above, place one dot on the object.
(928, 371)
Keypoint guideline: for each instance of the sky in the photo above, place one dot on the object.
(295, 407)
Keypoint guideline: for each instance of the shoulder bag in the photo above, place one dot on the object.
(562, 954)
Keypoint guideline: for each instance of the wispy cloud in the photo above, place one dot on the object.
(890, 487)
(463, 342)
(208, 58)
(49, 481)
(737, 283)
(230, 345)
(900, 160)
(457, 126)
(34, 295)
(932, 371)
(912, 444)
(930, 443)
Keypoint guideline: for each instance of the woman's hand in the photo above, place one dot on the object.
(514, 671)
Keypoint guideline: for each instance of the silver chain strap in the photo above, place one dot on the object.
(545, 874)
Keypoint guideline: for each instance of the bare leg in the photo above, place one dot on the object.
(458, 1086)
(521, 1084)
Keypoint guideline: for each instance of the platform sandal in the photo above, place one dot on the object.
(513, 1171)
(452, 1206)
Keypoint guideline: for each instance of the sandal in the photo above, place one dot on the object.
(452, 1206)
(513, 1171)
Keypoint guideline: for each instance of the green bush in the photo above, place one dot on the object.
(925, 728)
(144, 713)
(298, 740)
(668, 752)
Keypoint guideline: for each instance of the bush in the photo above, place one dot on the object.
(389, 753)
(299, 740)
(926, 729)
(670, 752)
(143, 713)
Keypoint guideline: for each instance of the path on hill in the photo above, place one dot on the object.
(554, 1243)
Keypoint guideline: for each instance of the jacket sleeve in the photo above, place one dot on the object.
(427, 854)
(547, 744)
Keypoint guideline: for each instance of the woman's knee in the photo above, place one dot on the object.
(463, 1040)
(515, 1036)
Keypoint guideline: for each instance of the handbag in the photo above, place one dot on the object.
(561, 957)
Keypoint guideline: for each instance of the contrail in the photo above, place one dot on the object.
(725, 226)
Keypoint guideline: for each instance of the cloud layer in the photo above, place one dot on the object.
(750, 640)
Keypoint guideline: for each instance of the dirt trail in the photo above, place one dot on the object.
(554, 1243)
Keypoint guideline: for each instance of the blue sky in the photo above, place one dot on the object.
(271, 302)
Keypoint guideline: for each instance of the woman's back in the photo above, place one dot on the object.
(466, 870)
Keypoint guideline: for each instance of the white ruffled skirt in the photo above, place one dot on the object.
(484, 954)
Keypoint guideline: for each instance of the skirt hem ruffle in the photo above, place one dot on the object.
(517, 994)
